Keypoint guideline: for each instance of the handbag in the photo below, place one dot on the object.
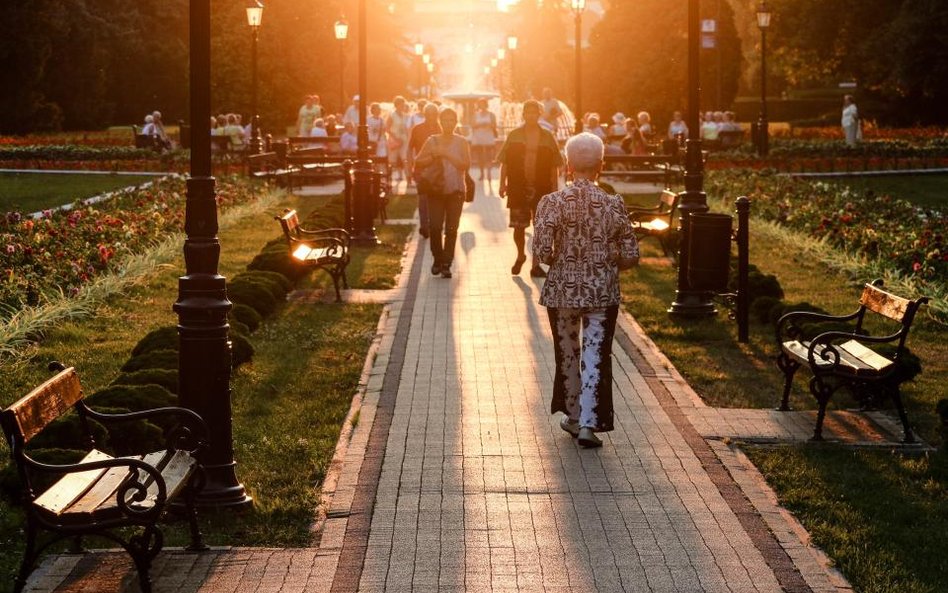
(468, 187)
(430, 179)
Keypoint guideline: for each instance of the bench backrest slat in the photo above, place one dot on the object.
(291, 224)
(31, 413)
(885, 303)
(669, 198)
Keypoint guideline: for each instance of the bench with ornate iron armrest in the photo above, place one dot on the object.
(656, 221)
(326, 249)
(842, 358)
(102, 495)
(653, 168)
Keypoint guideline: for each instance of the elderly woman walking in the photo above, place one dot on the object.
(584, 235)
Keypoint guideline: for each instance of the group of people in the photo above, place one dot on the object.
(231, 125)
(155, 128)
(580, 232)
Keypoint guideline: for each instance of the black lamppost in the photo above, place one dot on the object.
(419, 53)
(426, 68)
(690, 302)
(430, 68)
(495, 68)
(512, 46)
(501, 54)
(763, 21)
(341, 30)
(578, 7)
(364, 205)
(204, 347)
(254, 17)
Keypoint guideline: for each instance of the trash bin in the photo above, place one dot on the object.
(709, 251)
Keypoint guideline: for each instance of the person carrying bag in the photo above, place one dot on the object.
(449, 154)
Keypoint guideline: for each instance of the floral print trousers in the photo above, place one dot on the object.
(582, 348)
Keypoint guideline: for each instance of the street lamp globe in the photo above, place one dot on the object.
(419, 48)
(578, 5)
(341, 29)
(763, 16)
(512, 42)
(501, 53)
(255, 15)
(426, 59)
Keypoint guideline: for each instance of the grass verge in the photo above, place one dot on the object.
(288, 403)
(881, 516)
(32, 192)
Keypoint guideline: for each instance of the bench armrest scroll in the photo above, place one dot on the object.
(191, 434)
(787, 328)
(824, 347)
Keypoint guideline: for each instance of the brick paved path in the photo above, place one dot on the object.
(456, 477)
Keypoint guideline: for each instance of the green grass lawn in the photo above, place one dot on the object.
(881, 516)
(32, 192)
(924, 190)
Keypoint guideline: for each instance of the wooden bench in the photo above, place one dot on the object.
(326, 249)
(145, 140)
(267, 166)
(843, 358)
(102, 495)
(656, 221)
(649, 168)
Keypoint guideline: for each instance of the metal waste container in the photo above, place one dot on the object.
(709, 251)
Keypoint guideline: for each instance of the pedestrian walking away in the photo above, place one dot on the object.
(452, 152)
(419, 135)
(583, 233)
(529, 168)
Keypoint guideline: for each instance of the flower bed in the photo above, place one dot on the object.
(909, 238)
(65, 249)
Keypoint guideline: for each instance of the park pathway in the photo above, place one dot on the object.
(456, 477)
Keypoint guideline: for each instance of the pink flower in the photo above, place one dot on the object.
(916, 267)
(11, 249)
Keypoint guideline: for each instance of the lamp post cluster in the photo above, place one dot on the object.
(497, 64)
(763, 22)
(254, 18)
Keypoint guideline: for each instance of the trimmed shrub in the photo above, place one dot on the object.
(167, 378)
(941, 408)
(760, 308)
(163, 338)
(253, 295)
(248, 315)
(273, 287)
(781, 309)
(238, 328)
(133, 437)
(758, 284)
(66, 433)
(133, 397)
(278, 261)
(280, 279)
(241, 350)
(156, 359)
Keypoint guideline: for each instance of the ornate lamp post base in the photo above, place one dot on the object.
(365, 203)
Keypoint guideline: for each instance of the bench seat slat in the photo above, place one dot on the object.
(101, 492)
(854, 358)
(71, 487)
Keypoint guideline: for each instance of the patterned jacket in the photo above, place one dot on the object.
(582, 232)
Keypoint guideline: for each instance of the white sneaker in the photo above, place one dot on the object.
(588, 438)
(570, 426)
